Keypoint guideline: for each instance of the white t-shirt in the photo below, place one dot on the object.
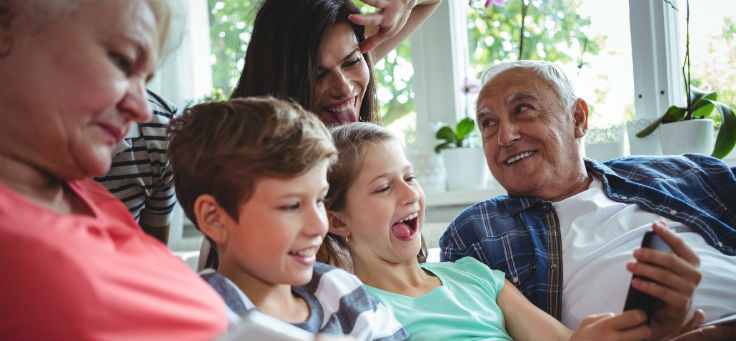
(599, 236)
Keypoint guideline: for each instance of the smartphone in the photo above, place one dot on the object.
(725, 319)
(637, 299)
(259, 326)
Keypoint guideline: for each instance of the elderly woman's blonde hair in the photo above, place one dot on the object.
(41, 12)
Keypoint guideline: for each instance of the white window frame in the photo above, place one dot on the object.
(439, 52)
(440, 56)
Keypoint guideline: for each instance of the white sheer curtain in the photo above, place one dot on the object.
(185, 75)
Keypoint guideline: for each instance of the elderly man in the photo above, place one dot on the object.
(566, 231)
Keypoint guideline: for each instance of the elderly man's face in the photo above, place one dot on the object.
(529, 138)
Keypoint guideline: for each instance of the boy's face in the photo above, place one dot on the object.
(278, 231)
(385, 206)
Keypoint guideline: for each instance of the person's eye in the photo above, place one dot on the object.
(122, 62)
(523, 108)
(320, 202)
(383, 189)
(410, 179)
(291, 207)
(321, 75)
(355, 61)
(487, 123)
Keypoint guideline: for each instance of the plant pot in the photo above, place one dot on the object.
(465, 168)
(691, 136)
(647, 145)
(603, 144)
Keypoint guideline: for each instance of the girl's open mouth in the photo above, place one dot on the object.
(406, 229)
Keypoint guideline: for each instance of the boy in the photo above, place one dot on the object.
(251, 175)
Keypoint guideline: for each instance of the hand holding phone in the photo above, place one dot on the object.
(637, 299)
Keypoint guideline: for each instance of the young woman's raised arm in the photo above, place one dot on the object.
(392, 23)
(525, 321)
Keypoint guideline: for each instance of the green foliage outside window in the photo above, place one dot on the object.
(553, 31)
(231, 22)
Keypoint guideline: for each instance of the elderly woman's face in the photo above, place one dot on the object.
(73, 86)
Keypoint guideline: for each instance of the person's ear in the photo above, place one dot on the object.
(211, 218)
(580, 114)
(6, 27)
(337, 224)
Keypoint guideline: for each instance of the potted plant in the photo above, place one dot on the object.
(465, 165)
(699, 109)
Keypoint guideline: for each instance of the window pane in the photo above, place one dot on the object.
(231, 22)
(712, 46)
(589, 38)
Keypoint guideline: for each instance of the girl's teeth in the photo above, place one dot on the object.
(307, 252)
(411, 217)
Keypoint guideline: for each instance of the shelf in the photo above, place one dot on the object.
(462, 198)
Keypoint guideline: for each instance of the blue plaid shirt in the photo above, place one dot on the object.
(521, 235)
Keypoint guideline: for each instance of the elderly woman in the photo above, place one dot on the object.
(75, 265)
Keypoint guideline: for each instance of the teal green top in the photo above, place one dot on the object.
(463, 308)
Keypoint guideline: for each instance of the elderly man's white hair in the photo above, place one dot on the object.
(549, 72)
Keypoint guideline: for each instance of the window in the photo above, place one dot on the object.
(630, 52)
(576, 34)
(231, 22)
(712, 46)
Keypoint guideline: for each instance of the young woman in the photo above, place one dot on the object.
(376, 208)
(315, 52)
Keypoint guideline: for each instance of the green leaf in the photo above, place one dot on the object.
(649, 129)
(703, 108)
(726, 138)
(464, 127)
(696, 95)
(442, 146)
(446, 133)
(673, 114)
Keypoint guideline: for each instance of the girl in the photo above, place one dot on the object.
(376, 209)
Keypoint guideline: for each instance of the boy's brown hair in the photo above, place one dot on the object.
(350, 140)
(224, 148)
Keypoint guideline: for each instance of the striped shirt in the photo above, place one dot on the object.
(338, 304)
(140, 174)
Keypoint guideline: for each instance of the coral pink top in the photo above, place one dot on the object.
(95, 277)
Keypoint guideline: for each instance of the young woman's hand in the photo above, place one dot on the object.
(392, 23)
(390, 19)
(629, 325)
(676, 274)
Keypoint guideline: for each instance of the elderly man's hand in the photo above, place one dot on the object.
(676, 274)
(390, 19)
(726, 331)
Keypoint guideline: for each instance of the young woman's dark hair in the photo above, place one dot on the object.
(284, 49)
